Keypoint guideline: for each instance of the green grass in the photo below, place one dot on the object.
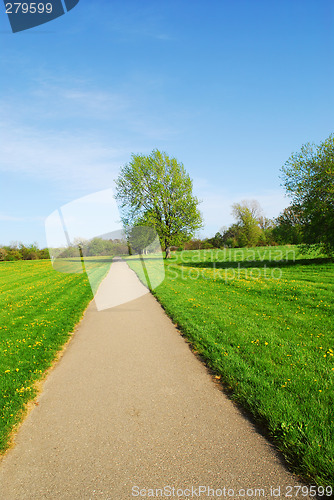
(38, 309)
(270, 340)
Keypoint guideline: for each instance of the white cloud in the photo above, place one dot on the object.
(11, 218)
(67, 131)
(77, 161)
(75, 99)
(68, 103)
(44, 134)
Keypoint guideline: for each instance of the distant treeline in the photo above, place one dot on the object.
(94, 247)
(19, 251)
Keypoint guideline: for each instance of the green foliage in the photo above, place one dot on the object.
(12, 254)
(217, 241)
(247, 214)
(3, 254)
(143, 238)
(267, 236)
(251, 228)
(96, 247)
(288, 226)
(43, 254)
(99, 246)
(230, 236)
(194, 244)
(18, 251)
(156, 191)
(308, 177)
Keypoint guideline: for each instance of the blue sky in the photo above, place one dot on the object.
(229, 88)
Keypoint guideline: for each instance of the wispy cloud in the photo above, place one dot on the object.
(67, 129)
(77, 161)
(10, 218)
(78, 100)
(69, 132)
(129, 105)
(50, 97)
(137, 21)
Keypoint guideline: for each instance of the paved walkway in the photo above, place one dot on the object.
(129, 406)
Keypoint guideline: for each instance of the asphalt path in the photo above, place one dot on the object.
(130, 412)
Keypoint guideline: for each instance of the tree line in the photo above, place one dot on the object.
(19, 251)
(96, 247)
(89, 248)
(155, 191)
(250, 229)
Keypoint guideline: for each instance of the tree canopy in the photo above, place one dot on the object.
(247, 214)
(288, 227)
(308, 177)
(156, 191)
(251, 228)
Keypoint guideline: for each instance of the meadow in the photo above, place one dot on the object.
(262, 319)
(39, 307)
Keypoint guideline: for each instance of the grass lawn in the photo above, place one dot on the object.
(38, 309)
(263, 320)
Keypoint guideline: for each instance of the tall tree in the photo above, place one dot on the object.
(156, 191)
(309, 179)
(248, 214)
(288, 227)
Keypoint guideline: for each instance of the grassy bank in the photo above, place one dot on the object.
(263, 320)
(38, 309)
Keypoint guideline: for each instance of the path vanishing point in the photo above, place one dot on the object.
(129, 410)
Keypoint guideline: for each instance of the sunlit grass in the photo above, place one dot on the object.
(38, 309)
(263, 320)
